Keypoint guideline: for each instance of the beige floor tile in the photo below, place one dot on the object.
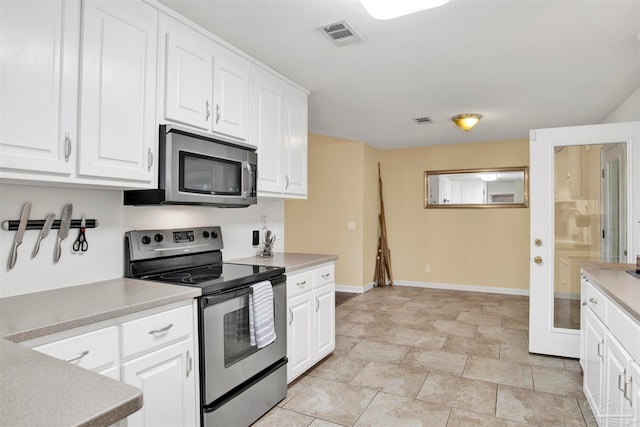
(279, 417)
(360, 316)
(472, 346)
(587, 413)
(539, 408)
(479, 318)
(515, 337)
(419, 338)
(437, 361)
(343, 326)
(390, 410)
(379, 351)
(341, 313)
(409, 320)
(451, 327)
(458, 392)
(499, 371)
(395, 379)
(558, 381)
(515, 353)
(335, 402)
(460, 418)
(338, 368)
(344, 344)
(295, 387)
(372, 331)
(507, 311)
(572, 365)
(521, 323)
(322, 423)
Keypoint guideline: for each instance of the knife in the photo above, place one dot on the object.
(63, 232)
(22, 226)
(48, 222)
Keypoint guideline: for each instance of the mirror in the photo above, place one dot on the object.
(477, 188)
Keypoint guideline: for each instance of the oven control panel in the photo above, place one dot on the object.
(145, 244)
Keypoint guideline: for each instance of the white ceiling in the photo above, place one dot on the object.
(522, 64)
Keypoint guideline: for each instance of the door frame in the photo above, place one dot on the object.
(544, 338)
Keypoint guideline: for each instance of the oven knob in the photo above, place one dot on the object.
(146, 240)
(214, 234)
(205, 234)
(158, 237)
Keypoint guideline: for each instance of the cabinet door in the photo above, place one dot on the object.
(594, 333)
(117, 100)
(325, 320)
(616, 407)
(268, 98)
(300, 339)
(230, 94)
(188, 75)
(167, 381)
(40, 44)
(295, 143)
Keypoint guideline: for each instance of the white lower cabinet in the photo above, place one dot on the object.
(311, 322)
(154, 350)
(167, 381)
(611, 352)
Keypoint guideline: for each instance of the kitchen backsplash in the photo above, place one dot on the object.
(105, 257)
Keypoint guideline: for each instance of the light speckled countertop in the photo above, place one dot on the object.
(616, 283)
(39, 390)
(289, 260)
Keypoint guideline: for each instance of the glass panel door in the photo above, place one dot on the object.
(210, 175)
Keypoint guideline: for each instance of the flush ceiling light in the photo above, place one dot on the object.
(386, 9)
(466, 121)
(489, 176)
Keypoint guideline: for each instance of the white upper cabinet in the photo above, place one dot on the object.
(117, 103)
(188, 74)
(280, 133)
(206, 85)
(39, 41)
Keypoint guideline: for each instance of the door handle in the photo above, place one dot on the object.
(537, 260)
(78, 357)
(149, 159)
(207, 111)
(67, 147)
(218, 111)
(291, 312)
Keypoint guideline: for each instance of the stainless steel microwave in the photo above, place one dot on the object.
(197, 169)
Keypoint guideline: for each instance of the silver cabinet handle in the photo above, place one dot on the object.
(622, 380)
(207, 111)
(593, 300)
(286, 177)
(584, 303)
(189, 363)
(77, 357)
(599, 349)
(149, 159)
(627, 387)
(67, 147)
(317, 304)
(161, 330)
(324, 276)
(291, 312)
(301, 284)
(218, 111)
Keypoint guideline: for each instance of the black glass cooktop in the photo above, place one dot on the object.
(216, 278)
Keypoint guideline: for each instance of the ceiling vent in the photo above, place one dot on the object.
(423, 120)
(341, 33)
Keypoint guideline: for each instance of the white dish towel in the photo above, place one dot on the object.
(261, 320)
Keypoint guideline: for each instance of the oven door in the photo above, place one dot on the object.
(227, 357)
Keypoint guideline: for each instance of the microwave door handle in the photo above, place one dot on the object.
(247, 181)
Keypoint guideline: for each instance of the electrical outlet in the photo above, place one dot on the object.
(263, 220)
(351, 225)
(427, 268)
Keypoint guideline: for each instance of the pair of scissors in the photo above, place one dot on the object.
(80, 244)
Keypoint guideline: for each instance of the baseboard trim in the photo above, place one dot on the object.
(354, 289)
(455, 287)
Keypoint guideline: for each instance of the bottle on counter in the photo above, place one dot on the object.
(638, 264)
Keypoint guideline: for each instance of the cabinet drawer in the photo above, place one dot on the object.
(299, 283)
(324, 276)
(97, 350)
(156, 330)
(597, 302)
(625, 329)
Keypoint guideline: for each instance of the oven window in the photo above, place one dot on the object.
(236, 334)
(209, 175)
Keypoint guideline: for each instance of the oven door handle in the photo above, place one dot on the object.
(208, 300)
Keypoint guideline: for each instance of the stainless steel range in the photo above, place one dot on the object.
(238, 381)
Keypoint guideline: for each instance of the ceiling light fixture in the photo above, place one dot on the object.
(488, 177)
(386, 9)
(466, 121)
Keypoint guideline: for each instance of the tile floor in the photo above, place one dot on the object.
(427, 357)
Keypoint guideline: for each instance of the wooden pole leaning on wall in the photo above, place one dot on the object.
(383, 257)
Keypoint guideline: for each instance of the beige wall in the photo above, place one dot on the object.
(342, 188)
(485, 247)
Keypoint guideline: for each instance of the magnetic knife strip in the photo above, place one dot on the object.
(38, 224)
